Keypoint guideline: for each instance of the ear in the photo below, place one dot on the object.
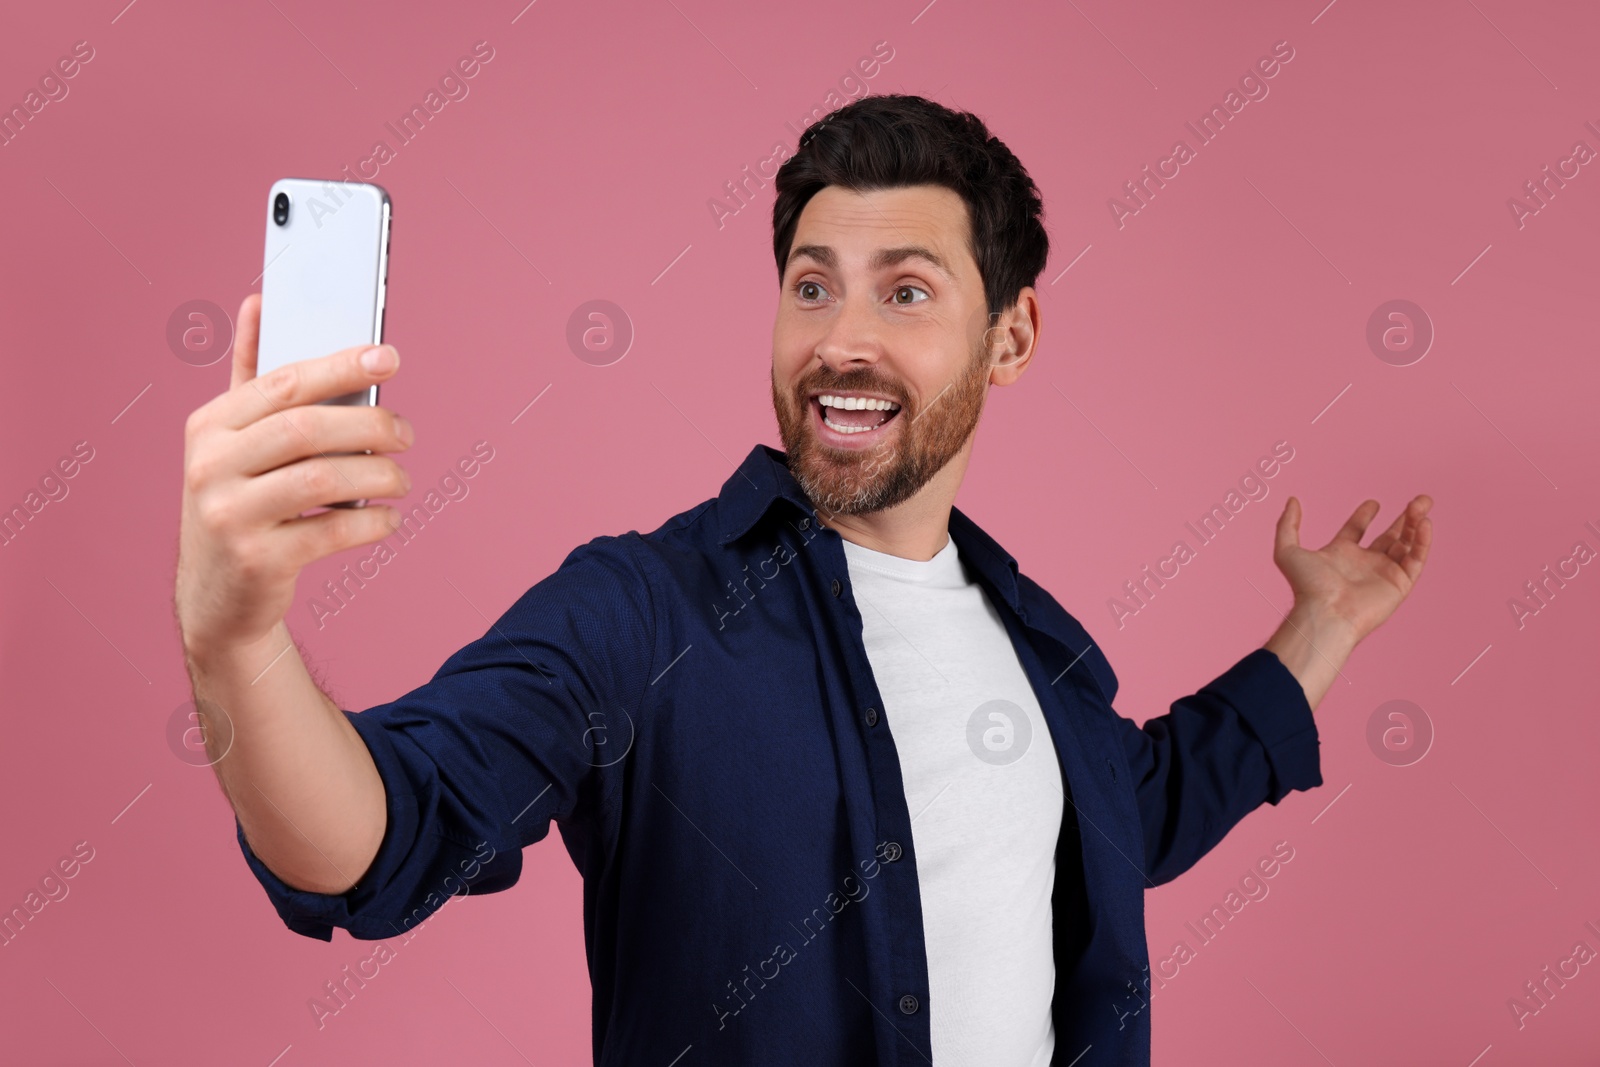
(1012, 336)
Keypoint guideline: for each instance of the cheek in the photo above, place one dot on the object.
(783, 390)
(785, 369)
(792, 353)
(950, 369)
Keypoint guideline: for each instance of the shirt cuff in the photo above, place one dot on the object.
(1272, 704)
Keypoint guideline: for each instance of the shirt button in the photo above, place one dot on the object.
(892, 852)
(837, 587)
(908, 1004)
(872, 716)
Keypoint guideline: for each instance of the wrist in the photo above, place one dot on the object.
(1323, 627)
(1313, 645)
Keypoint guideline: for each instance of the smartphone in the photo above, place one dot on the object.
(326, 268)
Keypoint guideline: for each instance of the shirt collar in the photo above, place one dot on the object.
(764, 478)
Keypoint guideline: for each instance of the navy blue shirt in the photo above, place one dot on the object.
(693, 709)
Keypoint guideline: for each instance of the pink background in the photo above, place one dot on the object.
(1227, 315)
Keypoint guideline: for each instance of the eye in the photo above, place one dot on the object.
(801, 290)
(909, 288)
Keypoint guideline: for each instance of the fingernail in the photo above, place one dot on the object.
(380, 358)
(403, 430)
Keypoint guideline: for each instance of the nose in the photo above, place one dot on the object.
(852, 341)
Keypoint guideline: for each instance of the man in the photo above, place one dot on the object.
(844, 785)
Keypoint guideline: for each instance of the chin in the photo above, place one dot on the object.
(841, 482)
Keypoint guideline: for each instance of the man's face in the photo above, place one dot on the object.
(862, 321)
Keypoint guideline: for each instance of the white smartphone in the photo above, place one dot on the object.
(326, 267)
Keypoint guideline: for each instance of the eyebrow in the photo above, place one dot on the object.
(883, 257)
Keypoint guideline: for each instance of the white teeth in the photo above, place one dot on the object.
(847, 429)
(856, 403)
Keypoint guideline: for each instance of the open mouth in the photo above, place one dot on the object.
(854, 417)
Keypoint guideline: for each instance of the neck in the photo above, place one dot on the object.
(917, 528)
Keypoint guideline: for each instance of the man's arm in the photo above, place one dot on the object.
(1245, 738)
(302, 783)
(1248, 736)
(372, 821)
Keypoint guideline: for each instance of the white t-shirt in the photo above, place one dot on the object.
(983, 786)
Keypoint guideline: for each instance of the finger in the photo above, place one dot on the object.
(1396, 541)
(314, 430)
(1356, 525)
(1288, 533)
(321, 481)
(1419, 549)
(245, 338)
(307, 382)
(1391, 539)
(315, 536)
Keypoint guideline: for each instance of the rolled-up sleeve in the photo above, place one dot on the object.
(503, 740)
(1245, 738)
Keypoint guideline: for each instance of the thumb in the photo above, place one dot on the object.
(1288, 534)
(246, 335)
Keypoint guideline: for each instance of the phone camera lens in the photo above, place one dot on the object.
(280, 209)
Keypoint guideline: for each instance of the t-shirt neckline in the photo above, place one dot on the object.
(943, 570)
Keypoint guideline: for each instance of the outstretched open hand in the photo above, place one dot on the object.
(1360, 587)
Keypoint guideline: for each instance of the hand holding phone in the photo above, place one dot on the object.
(256, 458)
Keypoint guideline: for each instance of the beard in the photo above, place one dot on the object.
(859, 481)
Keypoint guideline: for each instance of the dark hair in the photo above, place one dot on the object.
(894, 140)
